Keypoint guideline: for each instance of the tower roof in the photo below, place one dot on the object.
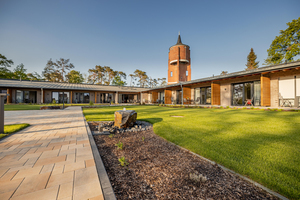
(179, 39)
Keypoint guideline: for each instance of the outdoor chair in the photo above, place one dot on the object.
(284, 102)
(248, 102)
(197, 100)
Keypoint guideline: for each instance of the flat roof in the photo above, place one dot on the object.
(65, 86)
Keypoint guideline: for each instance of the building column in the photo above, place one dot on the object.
(9, 97)
(186, 94)
(71, 97)
(95, 97)
(168, 96)
(215, 94)
(116, 97)
(265, 91)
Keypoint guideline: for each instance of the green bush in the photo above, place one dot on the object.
(123, 161)
(119, 145)
(91, 103)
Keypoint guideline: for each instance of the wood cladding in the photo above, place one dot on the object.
(186, 94)
(215, 94)
(168, 96)
(154, 97)
(9, 98)
(265, 91)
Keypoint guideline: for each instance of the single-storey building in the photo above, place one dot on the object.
(21, 91)
(275, 86)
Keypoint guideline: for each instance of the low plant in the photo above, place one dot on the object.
(143, 138)
(111, 135)
(227, 107)
(119, 145)
(196, 177)
(91, 103)
(221, 107)
(54, 101)
(123, 161)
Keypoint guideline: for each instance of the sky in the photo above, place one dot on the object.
(136, 34)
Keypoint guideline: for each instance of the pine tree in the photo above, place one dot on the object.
(251, 61)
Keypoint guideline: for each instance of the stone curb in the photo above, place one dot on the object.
(226, 169)
(107, 189)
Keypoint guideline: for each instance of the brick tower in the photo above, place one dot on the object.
(179, 65)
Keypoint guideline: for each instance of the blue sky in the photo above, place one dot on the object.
(128, 35)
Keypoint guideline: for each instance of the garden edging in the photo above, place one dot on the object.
(107, 189)
(241, 176)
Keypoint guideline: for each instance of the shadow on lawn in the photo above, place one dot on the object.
(151, 120)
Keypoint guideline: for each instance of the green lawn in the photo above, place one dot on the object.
(9, 129)
(262, 145)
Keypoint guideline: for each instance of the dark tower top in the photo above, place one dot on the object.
(179, 39)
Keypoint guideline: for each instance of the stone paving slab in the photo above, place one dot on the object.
(51, 159)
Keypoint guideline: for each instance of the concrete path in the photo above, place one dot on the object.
(51, 159)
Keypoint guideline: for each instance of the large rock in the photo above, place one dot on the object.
(125, 118)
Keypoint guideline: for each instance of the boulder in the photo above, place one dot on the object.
(125, 118)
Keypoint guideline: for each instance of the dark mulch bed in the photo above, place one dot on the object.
(160, 170)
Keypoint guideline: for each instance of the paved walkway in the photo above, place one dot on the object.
(51, 159)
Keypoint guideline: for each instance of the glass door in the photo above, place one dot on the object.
(237, 95)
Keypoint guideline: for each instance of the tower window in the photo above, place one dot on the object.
(187, 73)
(171, 74)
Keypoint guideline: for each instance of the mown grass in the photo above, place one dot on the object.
(262, 145)
(9, 129)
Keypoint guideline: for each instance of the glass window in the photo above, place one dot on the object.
(86, 98)
(237, 95)
(242, 92)
(187, 73)
(55, 97)
(197, 95)
(19, 96)
(171, 74)
(208, 95)
(256, 93)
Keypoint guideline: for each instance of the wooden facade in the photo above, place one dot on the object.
(168, 96)
(265, 91)
(186, 94)
(215, 94)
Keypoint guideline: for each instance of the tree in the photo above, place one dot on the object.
(51, 74)
(20, 72)
(286, 46)
(4, 72)
(74, 77)
(34, 76)
(141, 77)
(224, 72)
(251, 60)
(163, 81)
(118, 81)
(58, 68)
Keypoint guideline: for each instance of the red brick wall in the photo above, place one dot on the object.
(179, 69)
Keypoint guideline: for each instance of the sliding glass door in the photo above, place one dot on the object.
(246, 93)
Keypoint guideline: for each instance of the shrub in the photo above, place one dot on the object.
(54, 101)
(221, 106)
(196, 177)
(91, 103)
(119, 145)
(123, 161)
(111, 135)
(227, 107)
